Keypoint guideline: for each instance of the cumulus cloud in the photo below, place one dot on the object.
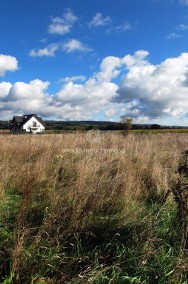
(99, 21)
(33, 97)
(109, 69)
(94, 95)
(72, 79)
(62, 25)
(69, 46)
(73, 45)
(46, 51)
(97, 90)
(134, 86)
(73, 100)
(92, 91)
(21, 97)
(7, 63)
(128, 85)
(34, 90)
(4, 89)
(159, 90)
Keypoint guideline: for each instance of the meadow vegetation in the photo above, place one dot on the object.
(81, 209)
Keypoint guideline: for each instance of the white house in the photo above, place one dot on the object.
(28, 123)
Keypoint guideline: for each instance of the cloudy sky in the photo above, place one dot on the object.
(95, 60)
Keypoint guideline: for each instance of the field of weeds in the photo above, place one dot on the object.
(92, 208)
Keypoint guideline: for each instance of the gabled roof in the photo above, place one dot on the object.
(21, 120)
(18, 119)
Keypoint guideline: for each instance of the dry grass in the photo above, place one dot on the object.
(128, 163)
(89, 176)
(70, 183)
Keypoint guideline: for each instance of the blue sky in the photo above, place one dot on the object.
(95, 60)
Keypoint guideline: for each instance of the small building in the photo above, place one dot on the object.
(30, 123)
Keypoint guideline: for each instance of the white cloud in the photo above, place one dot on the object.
(62, 25)
(24, 97)
(182, 27)
(159, 90)
(46, 51)
(94, 95)
(97, 90)
(4, 89)
(33, 90)
(185, 2)
(111, 112)
(121, 28)
(129, 85)
(7, 63)
(125, 27)
(73, 101)
(99, 21)
(109, 69)
(73, 79)
(73, 45)
(92, 92)
(174, 36)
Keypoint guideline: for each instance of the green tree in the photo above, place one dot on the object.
(155, 126)
(126, 123)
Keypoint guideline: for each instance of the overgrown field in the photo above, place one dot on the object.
(79, 208)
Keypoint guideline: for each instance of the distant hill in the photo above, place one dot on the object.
(88, 125)
(102, 125)
(83, 125)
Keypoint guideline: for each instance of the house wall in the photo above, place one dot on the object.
(30, 123)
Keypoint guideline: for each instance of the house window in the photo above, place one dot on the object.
(34, 124)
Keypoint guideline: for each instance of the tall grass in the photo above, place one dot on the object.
(81, 210)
